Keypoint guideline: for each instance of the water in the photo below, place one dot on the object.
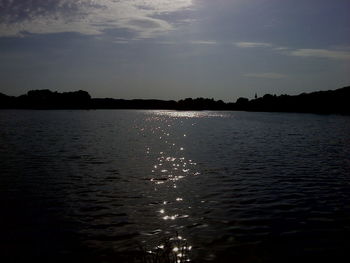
(122, 186)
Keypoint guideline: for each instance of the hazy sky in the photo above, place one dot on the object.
(172, 49)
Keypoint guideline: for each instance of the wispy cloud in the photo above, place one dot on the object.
(91, 17)
(252, 44)
(322, 53)
(203, 42)
(121, 41)
(336, 54)
(266, 75)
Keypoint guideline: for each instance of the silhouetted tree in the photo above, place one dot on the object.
(242, 103)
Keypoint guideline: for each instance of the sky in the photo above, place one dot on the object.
(174, 49)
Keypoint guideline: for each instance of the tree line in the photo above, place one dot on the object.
(331, 101)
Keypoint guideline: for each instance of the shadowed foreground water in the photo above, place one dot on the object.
(113, 186)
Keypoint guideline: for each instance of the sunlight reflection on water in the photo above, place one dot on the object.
(171, 166)
(189, 114)
(175, 248)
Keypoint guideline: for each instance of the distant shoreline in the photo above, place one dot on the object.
(324, 102)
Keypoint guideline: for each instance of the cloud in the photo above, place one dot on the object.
(281, 48)
(252, 44)
(336, 54)
(203, 42)
(266, 75)
(321, 53)
(90, 17)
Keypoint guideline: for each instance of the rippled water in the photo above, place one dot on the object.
(121, 186)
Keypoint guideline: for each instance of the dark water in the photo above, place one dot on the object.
(101, 186)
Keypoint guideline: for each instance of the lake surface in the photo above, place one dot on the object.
(120, 186)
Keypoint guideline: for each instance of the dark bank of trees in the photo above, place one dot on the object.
(200, 104)
(132, 104)
(332, 101)
(46, 99)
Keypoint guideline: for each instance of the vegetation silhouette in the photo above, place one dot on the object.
(46, 99)
(326, 102)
